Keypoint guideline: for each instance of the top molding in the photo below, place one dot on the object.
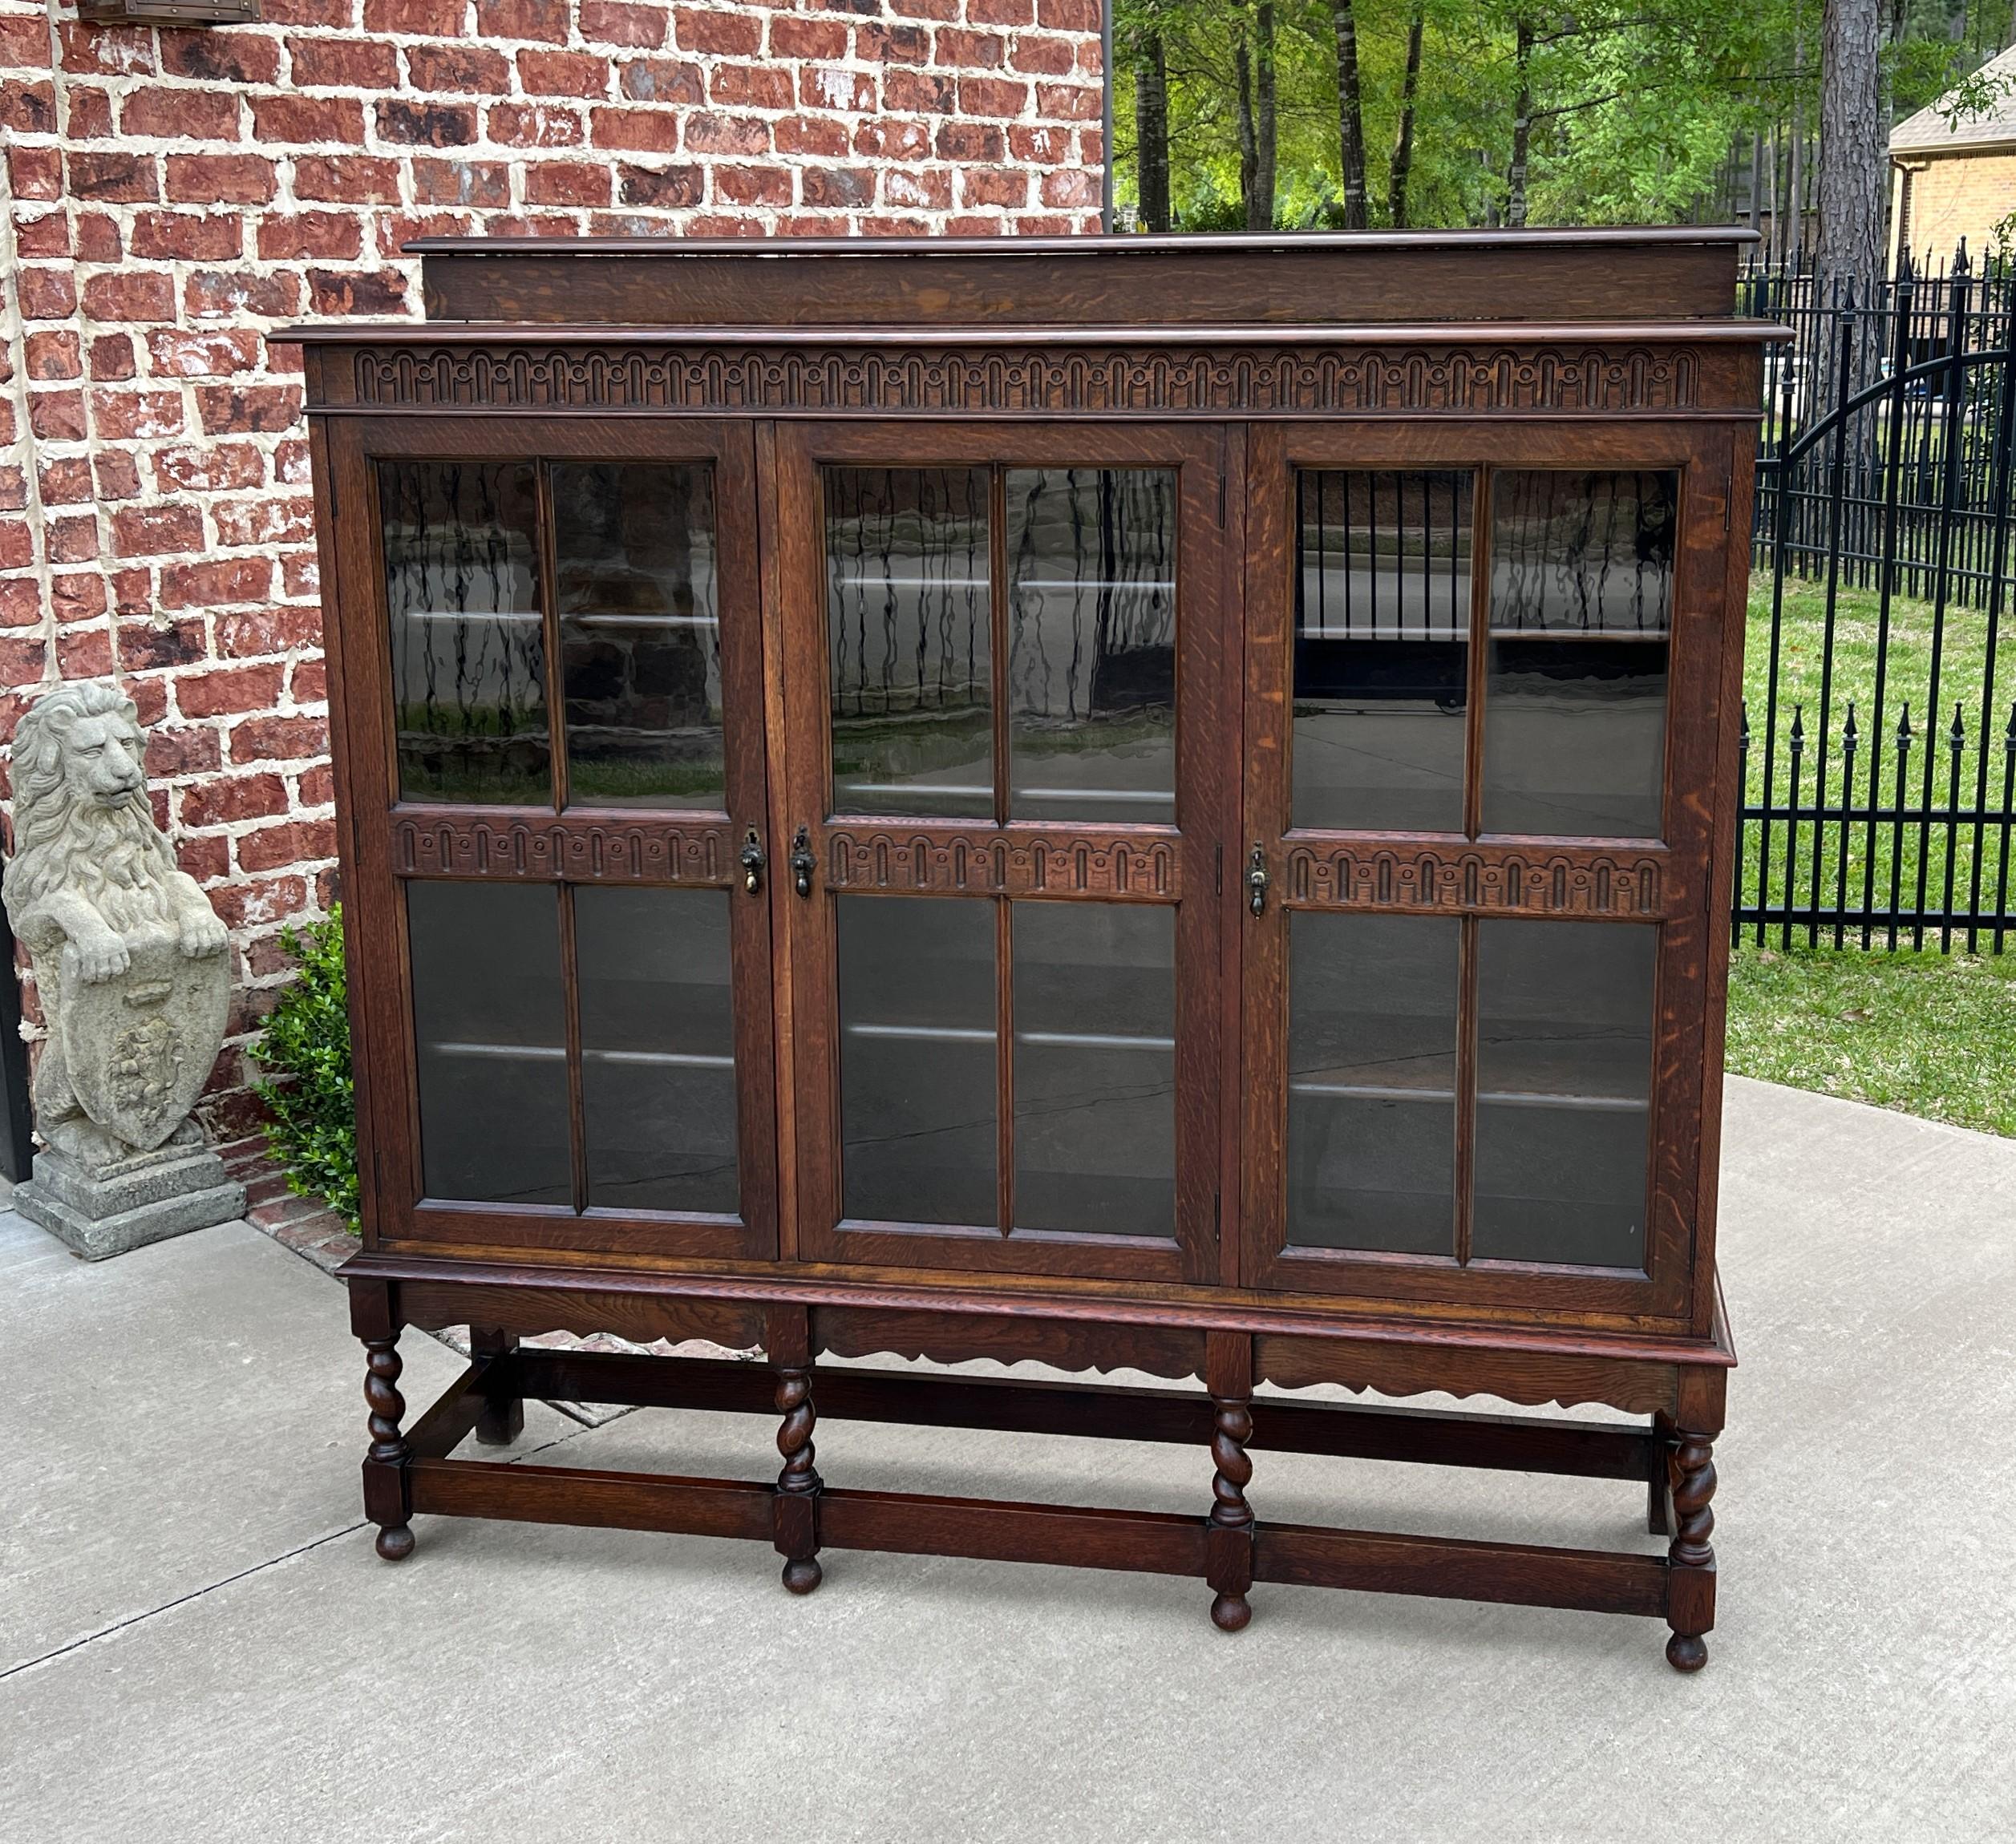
(1683, 274)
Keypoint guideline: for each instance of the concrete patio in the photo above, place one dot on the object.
(196, 1641)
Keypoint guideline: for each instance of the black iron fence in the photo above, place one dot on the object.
(1879, 742)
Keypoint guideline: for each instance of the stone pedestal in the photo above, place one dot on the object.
(131, 1202)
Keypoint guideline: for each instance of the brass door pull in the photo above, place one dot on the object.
(752, 861)
(1256, 881)
(803, 862)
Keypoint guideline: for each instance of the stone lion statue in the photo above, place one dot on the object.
(96, 894)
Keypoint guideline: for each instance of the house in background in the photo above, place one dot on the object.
(1952, 168)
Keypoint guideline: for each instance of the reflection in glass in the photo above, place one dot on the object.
(657, 1047)
(918, 1069)
(1563, 1089)
(1095, 1077)
(909, 640)
(1581, 588)
(489, 1017)
(640, 635)
(1372, 1082)
(1091, 649)
(468, 648)
(1382, 643)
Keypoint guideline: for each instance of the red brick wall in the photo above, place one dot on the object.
(168, 195)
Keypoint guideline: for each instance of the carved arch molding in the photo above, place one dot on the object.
(1250, 380)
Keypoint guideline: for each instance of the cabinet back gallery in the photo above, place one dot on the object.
(1145, 803)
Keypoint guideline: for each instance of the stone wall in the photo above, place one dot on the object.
(169, 195)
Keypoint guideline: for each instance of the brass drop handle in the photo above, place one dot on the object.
(1257, 880)
(752, 862)
(802, 863)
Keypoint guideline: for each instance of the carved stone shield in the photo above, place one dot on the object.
(138, 1047)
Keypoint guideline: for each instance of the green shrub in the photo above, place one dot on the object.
(310, 1100)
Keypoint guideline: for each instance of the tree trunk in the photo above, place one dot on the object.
(1259, 199)
(1774, 241)
(1401, 163)
(1795, 192)
(1151, 130)
(1350, 112)
(1853, 139)
(1242, 71)
(1522, 130)
(1796, 157)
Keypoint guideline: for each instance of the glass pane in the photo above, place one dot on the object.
(1382, 648)
(909, 640)
(468, 645)
(917, 1074)
(640, 635)
(1581, 588)
(1563, 1089)
(1091, 646)
(489, 1016)
(1095, 1009)
(1372, 1082)
(657, 1047)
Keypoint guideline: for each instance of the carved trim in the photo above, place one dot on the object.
(1530, 1378)
(1299, 380)
(555, 849)
(1480, 879)
(731, 1325)
(1146, 869)
(945, 1338)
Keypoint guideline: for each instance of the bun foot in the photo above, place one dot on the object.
(1687, 1651)
(1230, 1613)
(803, 1574)
(395, 1542)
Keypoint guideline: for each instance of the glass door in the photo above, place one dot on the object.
(1004, 804)
(1476, 917)
(571, 875)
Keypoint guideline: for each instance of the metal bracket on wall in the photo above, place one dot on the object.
(185, 13)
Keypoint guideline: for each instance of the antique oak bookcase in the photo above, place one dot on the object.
(1149, 804)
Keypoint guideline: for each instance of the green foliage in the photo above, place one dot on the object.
(309, 1098)
(1637, 106)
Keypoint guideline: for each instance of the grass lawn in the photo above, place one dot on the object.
(1927, 1033)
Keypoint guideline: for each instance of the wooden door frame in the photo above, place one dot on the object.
(1685, 873)
(1178, 864)
(384, 842)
